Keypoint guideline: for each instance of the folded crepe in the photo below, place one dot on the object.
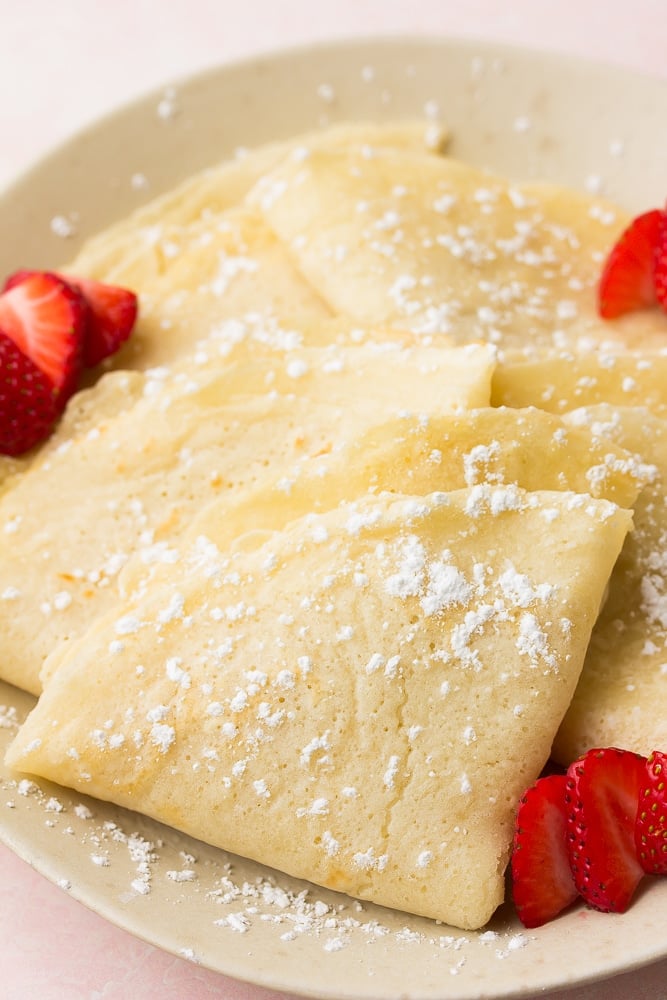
(570, 381)
(529, 448)
(359, 702)
(199, 256)
(495, 446)
(215, 190)
(192, 279)
(621, 699)
(439, 247)
(134, 479)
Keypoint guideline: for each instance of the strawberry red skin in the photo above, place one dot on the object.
(628, 277)
(603, 789)
(45, 319)
(651, 826)
(110, 314)
(28, 402)
(542, 882)
(660, 263)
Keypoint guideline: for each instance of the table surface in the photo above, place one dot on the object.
(63, 65)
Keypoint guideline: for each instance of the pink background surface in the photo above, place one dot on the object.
(61, 66)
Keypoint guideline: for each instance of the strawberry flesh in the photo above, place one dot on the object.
(45, 318)
(603, 789)
(628, 277)
(651, 827)
(110, 313)
(28, 402)
(542, 881)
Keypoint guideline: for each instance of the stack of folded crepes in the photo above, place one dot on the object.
(315, 574)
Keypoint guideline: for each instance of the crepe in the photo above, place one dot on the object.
(133, 480)
(621, 699)
(198, 255)
(217, 189)
(193, 279)
(202, 260)
(398, 659)
(570, 381)
(436, 246)
(528, 448)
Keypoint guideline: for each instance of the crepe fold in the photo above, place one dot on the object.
(359, 702)
(433, 245)
(131, 485)
(621, 699)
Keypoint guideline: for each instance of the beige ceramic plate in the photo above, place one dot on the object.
(524, 114)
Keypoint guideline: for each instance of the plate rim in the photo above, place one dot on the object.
(268, 56)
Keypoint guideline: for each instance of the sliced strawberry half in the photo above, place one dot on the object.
(628, 277)
(542, 881)
(603, 790)
(110, 314)
(28, 401)
(660, 263)
(651, 826)
(45, 319)
(111, 318)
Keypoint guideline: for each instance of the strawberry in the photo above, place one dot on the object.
(651, 826)
(542, 882)
(111, 317)
(660, 263)
(627, 281)
(18, 276)
(603, 789)
(111, 312)
(28, 402)
(44, 317)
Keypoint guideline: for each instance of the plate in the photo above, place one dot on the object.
(528, 115)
